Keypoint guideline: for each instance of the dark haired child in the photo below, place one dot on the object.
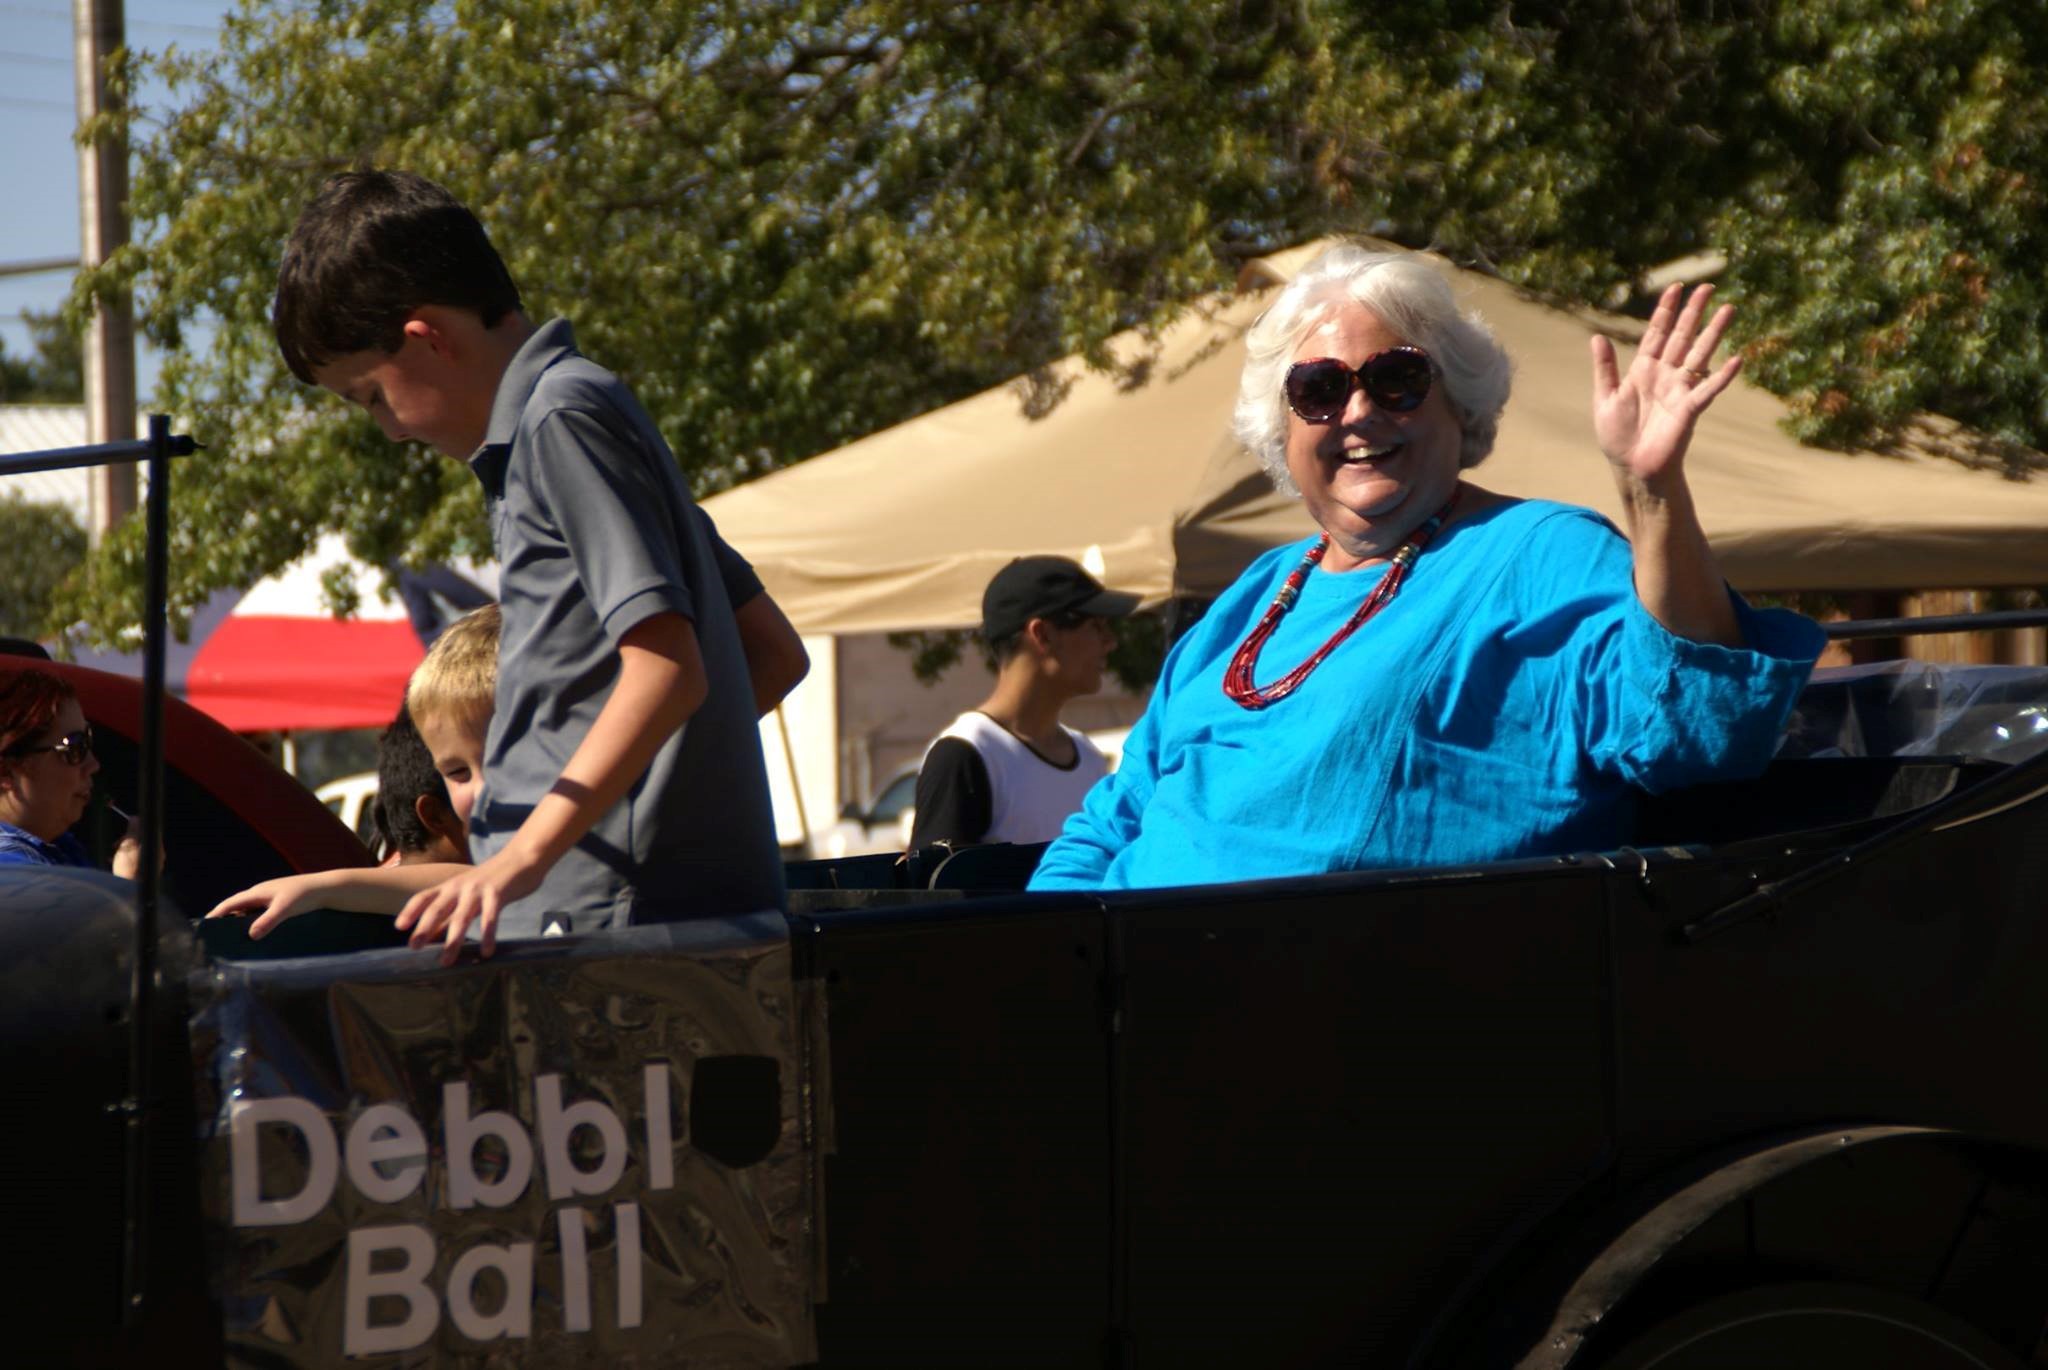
(599, 805)
(415, 823)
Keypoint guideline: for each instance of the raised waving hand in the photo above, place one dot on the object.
(1644, 419)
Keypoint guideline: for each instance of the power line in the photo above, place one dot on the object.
(43, 12)
(39, 266)
(35, 59)
(18, 102)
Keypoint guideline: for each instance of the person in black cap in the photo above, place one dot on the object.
(1009, 770)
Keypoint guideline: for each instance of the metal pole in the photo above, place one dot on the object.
(142, 983)
(1991, 621)
(135, 1106)
(70, 458)
(99, 29)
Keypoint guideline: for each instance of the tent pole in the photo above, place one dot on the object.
(796, 784)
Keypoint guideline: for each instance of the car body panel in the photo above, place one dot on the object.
(1373, 1118)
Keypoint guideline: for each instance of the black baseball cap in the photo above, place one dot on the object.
(1045, 587)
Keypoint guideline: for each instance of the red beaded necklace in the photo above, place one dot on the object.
(1237, 681)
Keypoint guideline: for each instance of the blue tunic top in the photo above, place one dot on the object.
(1503, 705)
(20, 847)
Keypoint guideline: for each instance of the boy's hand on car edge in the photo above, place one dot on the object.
(477, 896)
(273, 901)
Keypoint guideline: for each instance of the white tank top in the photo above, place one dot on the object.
(1029, 797)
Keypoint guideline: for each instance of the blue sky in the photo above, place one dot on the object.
(38, 161)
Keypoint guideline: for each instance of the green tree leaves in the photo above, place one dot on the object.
(790, 224)
(40, 545)
(786, 225)
(1890, 255)
(55, 374)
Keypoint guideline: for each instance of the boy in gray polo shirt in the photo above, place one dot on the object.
(600, 807)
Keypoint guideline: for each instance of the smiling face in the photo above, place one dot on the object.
(1370, 476)
(457, 745)
(42, 793)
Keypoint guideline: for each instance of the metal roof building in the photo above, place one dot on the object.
(32, 428)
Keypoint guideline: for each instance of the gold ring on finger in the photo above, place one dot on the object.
(1695, 376)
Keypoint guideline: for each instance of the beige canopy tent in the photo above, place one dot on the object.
(1141, 481)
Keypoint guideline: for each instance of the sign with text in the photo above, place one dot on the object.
(582, 1152)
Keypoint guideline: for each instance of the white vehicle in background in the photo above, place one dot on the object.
(353, 799)
(882, 824)
(885, 822)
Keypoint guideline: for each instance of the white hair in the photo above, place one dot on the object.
(1411, 298)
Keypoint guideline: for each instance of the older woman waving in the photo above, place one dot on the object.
(1444, 674)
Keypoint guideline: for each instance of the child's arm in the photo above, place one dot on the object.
(776, 659)
(358, 889)
(661, 684)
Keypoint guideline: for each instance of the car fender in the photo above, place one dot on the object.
(1539, 1315)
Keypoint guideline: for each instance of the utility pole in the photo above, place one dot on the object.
(99, 29)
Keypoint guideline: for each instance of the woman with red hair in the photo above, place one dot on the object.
(46, 771)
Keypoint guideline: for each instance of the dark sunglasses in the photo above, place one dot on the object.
(72, 749)
(1396, 379)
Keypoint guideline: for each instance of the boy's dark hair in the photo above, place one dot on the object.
(372, 247)
(405, 771)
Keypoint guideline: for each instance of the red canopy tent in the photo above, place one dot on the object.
(274, 657)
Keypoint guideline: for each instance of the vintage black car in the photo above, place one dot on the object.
(1758, 1089)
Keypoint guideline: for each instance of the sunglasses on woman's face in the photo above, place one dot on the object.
(1396, 379)
(72, 749)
